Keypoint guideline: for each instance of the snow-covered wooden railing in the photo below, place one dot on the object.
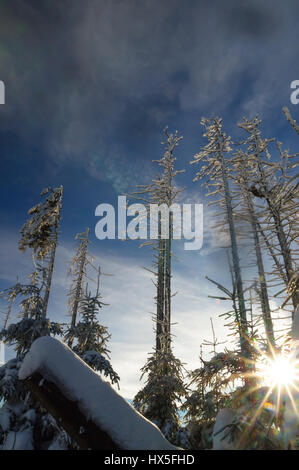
(88, 408)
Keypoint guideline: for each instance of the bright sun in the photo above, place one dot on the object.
(279, 371)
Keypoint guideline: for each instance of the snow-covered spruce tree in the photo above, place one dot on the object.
(23, 423)
(273, 183)
(248, 212)
(158, 400)
(90, 337)
(40, 233)
(164, 389)
(215, 171)
(212, 388)
(205, 399)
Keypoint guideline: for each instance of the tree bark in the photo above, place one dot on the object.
(52, 260)
(235, 260)
(79, 284)
(160, 289)
(262, 277)
(168, 283)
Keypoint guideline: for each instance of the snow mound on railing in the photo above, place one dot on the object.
(96, 399)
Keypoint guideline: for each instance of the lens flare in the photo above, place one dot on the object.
(279, 371)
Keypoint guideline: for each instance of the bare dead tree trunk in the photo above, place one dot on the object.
(274, 211)
(168, 282)
(235, 261)
(285, 249)
(80, 279)
(160, 289)
(243, 184)
(265, 305)
(49, 279)
(281, 236)
(273, 255)
(52, 258)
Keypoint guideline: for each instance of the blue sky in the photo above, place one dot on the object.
(89, 88)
